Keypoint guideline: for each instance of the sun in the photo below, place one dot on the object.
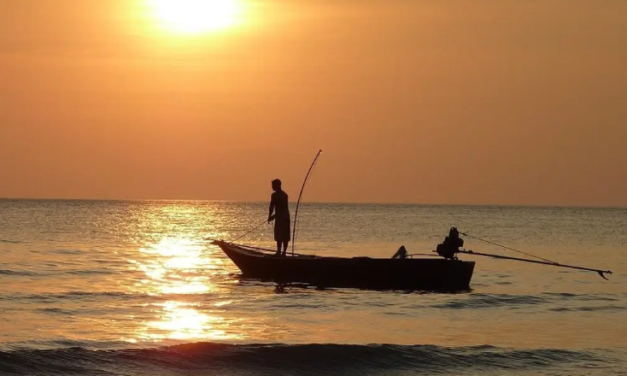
(196, 16)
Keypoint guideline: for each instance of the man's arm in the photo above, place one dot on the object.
(272, 206)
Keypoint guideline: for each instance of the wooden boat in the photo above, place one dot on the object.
(402, 272)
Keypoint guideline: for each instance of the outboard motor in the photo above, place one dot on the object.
(452, 243)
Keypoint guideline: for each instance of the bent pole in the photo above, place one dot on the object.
(300, 195)
(601, 272)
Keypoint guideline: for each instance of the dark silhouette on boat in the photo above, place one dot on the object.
(401, 272)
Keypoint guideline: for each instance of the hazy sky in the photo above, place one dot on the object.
(478, 102)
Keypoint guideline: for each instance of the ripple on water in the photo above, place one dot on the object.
(479, 301)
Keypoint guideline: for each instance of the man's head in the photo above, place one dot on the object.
(276, 185)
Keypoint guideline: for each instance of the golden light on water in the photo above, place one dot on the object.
(196, 16)
(181, 266)
(183, 321)
(177, 266)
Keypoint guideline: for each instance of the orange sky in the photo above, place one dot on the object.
(482, 102)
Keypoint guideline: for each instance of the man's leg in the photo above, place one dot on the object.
(285, 243)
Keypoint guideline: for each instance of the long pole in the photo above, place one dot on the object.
(300, 195)
(601, 272)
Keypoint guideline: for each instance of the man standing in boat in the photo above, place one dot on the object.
(280, 213)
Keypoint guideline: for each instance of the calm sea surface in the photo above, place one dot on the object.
(135, 288)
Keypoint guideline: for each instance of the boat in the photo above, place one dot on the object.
(400, 272)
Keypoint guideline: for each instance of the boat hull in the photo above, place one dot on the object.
(356, 272)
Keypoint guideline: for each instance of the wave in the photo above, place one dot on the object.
(16, 273)
(67, 251)
(90, 272)
(75, 295)
(85, 272)
(307, 359)
(10, 241)
(97, 296)
(585, 297)
(479, 301)
(492, 301)
(605, 308)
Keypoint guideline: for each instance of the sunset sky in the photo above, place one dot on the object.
(452, 102)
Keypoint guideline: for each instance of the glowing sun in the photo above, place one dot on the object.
(196, 16)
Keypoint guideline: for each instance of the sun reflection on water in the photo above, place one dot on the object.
(180, 266)
(177, 266)
(182, 321)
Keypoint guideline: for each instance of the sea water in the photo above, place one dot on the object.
(136, 288)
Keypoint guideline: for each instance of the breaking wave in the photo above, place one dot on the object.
(308, 359)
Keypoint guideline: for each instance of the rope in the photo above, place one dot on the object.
(509, 248)
(248, 232)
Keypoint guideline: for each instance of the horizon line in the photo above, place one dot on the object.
(316, 202)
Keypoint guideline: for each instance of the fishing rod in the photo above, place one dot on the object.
(542, 261)
(300, 195)
(552, 263)
(506, 247)
(297, 205)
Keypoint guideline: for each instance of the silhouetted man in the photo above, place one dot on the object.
(280, 213)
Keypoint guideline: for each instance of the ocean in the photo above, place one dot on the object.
(137, 288)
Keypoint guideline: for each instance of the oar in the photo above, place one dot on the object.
(601, 272)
